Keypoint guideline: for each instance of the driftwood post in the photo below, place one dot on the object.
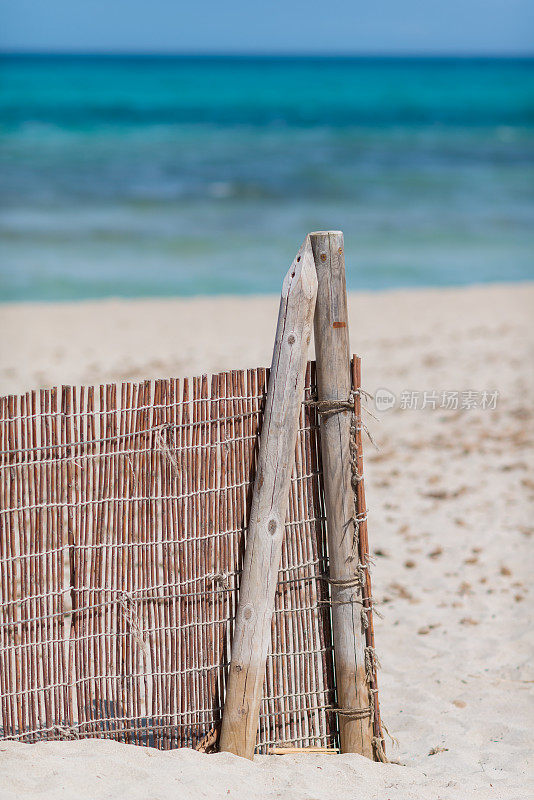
(334, 385)
(252, 633)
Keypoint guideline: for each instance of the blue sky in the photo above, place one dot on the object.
(462, 27)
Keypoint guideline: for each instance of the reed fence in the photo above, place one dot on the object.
(123, 513)
(148, 580)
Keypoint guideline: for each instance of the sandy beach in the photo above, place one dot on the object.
(451, 502)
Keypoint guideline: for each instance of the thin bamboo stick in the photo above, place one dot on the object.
(363, 541)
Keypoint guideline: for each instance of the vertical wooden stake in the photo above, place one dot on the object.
(252, 633)
(334, 384)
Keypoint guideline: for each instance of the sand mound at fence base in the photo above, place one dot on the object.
(95, 769)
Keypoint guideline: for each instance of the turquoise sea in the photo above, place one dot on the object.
(137, 176)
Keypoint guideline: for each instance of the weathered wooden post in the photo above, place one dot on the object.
(252, 633)
(334, 385)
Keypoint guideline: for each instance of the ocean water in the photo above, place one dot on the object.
(130, 176)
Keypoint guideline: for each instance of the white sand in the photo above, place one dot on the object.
(451, 524)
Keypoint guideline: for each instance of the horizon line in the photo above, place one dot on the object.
(263, 55)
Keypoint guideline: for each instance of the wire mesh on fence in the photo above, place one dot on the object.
(123, 517)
